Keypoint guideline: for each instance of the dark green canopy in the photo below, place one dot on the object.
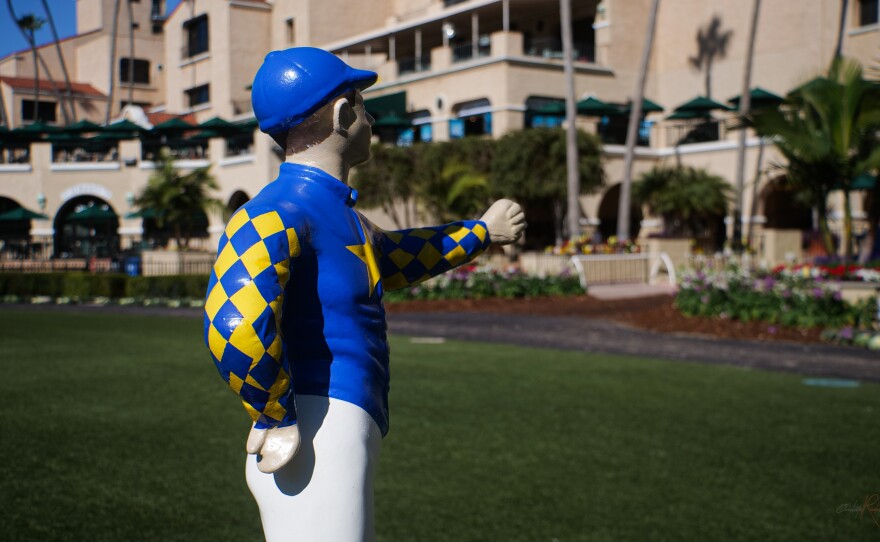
(94, 213)
(220, 127)
(593, 107)
(113, 136)
(555, 109)
(688, 115)
(699, 107)
(865, 181)
(647, 107)
(392, 120)
(143, 213)
(83, 126)
(38, 127)
(20, 213)
(173, 126)
(759, 99)
(124, 126)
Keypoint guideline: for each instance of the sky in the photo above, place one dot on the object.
(64, 12)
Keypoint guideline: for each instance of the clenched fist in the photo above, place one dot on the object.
(276, 446)
(506, 222)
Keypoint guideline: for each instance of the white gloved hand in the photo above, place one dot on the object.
(276, 446)
(506, 222)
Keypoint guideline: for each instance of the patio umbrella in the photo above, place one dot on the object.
(21, 213)
(95, 213)
(173, 126)
(83, 126)
(392, 120)
(113, 136)
(220, 127)
(699, 107)
(759, 99)
(39, 128)
(204, 135)
(647, 107)
(65, 137)
(248, 125)
(124, 126)
(593, 107)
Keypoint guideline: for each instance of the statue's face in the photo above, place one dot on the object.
(360, 133)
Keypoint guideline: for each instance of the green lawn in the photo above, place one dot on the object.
(117, 428)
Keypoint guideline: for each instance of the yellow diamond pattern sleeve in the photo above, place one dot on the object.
(414, 255)
(243, 313)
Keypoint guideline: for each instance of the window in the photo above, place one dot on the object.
(141, 70)
(291, 30)
(474, 119)
(45, 111)
(198, 95)
(196, 36)
(869, 12)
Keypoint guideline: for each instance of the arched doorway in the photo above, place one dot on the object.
(85, 227)
(236, 200)
(608, 209)
(14, 234)
(784, 209)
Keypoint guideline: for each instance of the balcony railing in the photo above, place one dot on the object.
(414, 64)
(552, 48)
(700, 131)
(15, 155)
(464, 52)
(66, 153)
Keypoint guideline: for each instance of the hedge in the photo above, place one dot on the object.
(111, 285)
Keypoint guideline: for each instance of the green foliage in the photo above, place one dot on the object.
(829, 133)
(687, 198)
(789, 300)
(177, 198)
(480, 285)
(386, 181)
(439, 166)
(85, 286)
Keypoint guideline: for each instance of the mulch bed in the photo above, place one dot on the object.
(655, 313)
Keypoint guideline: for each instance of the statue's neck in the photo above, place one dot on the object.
(328, 160)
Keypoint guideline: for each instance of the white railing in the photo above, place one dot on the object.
(622, 268)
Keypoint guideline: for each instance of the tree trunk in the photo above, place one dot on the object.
(68, 89)
(824, 230)
(744, 108)
(847, 228)
(633, 128)
(130, 53)
(36, 79)
(113, 30)
(838, 50)
(754, 206)
(573, 180)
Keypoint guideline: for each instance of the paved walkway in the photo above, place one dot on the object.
(596, 336)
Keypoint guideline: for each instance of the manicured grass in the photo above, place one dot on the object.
(116, 427)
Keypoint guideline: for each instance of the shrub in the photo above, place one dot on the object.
(790, 300)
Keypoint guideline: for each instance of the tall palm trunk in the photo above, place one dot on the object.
(838, 50)
(113, 30)
(623, 232)
(847, 228)
(68, 89)
(36, 78)
(744, 107)
(130, 53)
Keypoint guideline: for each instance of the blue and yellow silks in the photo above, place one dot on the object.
(294, 302)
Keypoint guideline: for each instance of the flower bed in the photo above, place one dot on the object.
(858, 273)
(584, 245)
(788, 299)
(470, 283)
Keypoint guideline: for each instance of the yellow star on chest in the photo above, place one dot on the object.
(365, 253)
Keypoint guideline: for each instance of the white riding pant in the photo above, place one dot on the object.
(325, 493)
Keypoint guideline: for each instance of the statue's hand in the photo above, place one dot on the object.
(506, 222)
(276, 446)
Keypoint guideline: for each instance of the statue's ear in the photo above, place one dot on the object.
(343, 116)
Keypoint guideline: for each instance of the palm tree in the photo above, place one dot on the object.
(30, 24)
(829, 135)
(29, 37)
(711, 43)
(744, 104)
(130, 53)
(690, 200)
(844, 7)
(68, 88)
(174, 198)
(632, 131)
(113, 30)
(387, 181)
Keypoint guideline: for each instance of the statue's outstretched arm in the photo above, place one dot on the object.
(414, 255)
(243, 319)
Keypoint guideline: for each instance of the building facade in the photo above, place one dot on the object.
(450, 68)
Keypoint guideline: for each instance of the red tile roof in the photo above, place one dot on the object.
(27, 83)
(159, 118)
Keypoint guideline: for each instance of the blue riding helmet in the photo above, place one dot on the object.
(294, 83)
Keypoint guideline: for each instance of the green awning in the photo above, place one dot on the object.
(701, 104)
(38, 127)
(21, 213)
(83, 126)
(553, 109)
(173, 126)
(219, 126)
(94, 213)
(593, 107)
(389, 110)
(689, 115)
(143, 213)
(647, 107)
(124, 126)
